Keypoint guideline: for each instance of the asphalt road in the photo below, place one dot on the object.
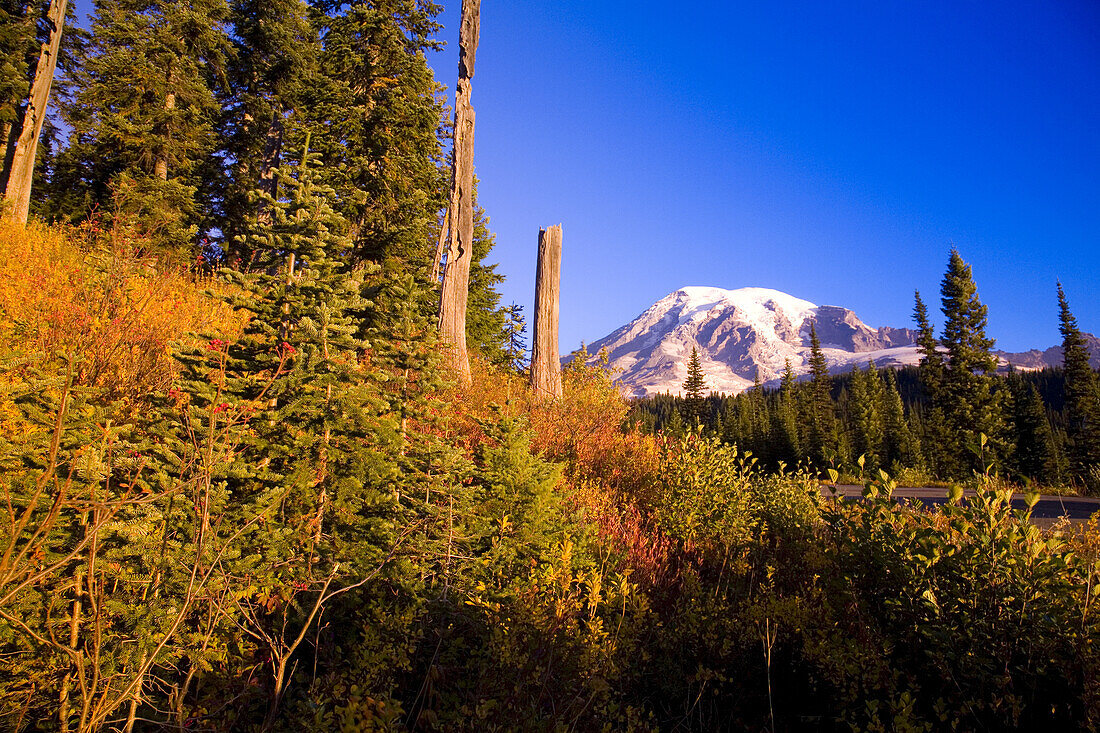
(1048, 510)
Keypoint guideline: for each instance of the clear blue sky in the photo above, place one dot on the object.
(832, 150)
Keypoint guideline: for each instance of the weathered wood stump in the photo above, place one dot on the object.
(545, 362)
(459, 221)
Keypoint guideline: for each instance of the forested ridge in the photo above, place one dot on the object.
(242, 492)
(955, 417)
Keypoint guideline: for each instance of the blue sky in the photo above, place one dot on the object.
(832, 150)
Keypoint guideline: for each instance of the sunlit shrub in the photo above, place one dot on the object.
(982, 617)
(90, 294)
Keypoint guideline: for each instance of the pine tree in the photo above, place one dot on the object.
(1082, 393)
(694, 387)
(970, 406)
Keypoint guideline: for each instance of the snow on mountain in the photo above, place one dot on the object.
(741, 334)
(754, 331)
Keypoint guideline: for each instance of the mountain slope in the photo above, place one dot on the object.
(741, 334)
(752, 332)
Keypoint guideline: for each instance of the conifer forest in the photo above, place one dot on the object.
(252, 480)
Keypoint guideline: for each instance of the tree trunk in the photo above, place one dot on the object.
(272, 155)
(456, 278)
(441, 246)
(269, 167)
(545, 362)
(17, 188)
(9, 133)
(160, 167)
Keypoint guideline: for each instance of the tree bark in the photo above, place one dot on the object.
(160, 167)
(269, 166)
(456, 276)
(10, 135)
(545, 362)
(24, 149)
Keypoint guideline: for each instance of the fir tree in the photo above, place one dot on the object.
(1082, 398)
(933, 426)
(515, 327)
(376, 120)
(970, 406)
(1035, 455)
(900, 448)
(17, 31)
(143, 115)
(866, 416)
(273, 67)
(731, 424)
(674, 427)
(821, 438)
(931, 363)
(694, 387)
(784, 442)
(486, 321)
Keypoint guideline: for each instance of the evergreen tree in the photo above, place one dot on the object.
(376, 120)
(784, 440)
(970, 406)
(694, 386)
(821, 444)
(757, 418)
(17, 31)
(273, 67)
(931, 363)
(515, 328)
(39, 47)
(866, 417)
(1082, 395)
(486, 321)
(674, 427)
(1035, 456)
(933, 425)
(143, 115)
(900, 448)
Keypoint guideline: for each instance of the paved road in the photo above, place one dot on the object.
(1049, 508)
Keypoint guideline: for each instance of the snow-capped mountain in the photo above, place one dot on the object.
(741, 334)
(750, 332)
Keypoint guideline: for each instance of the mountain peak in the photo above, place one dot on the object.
(740, 334)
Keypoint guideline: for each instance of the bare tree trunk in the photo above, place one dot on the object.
(456, 278)
(17, 187)
(441, 246)
(545, 362)
(160, 166)
(9, 133)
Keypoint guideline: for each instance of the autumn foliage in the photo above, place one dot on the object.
(95, 296)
